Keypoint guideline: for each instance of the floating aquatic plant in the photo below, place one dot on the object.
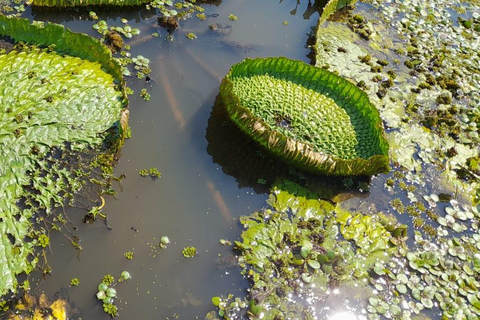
(107, 293)
(152, 173)
(145, 95)
(302, 247)
(189, 252)
(48, 100)
(74, 282)
(164, 241)
(307, 116)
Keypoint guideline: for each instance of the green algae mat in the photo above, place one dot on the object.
(47, 99)
(311, 118)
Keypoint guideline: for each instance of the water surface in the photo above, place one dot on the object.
(197, 201)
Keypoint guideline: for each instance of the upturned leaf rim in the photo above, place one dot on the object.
(292, 151)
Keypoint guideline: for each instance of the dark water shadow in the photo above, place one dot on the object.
(311, 8)
(252, 166)
(216, 3)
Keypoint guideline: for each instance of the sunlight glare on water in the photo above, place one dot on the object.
(343, 315)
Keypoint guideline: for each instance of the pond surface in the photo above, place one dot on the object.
(212, 174)
(202, 190)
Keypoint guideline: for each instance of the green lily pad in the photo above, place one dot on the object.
(416, 294)
(373, 301)
(216, 301)
(401, 288)
(331, 7)
(313, 264)
(48, 99)
(309, 117)
(395, 310)
(305, 251)
(427, 303)
(473, 300)
(402, 278)
(323, 258)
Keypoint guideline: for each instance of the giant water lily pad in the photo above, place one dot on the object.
(311, 118)
(47, 98)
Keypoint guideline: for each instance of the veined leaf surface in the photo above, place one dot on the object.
(311, 118)
(46, 100)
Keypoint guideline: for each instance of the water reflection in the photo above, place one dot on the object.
(240, 157)
(312, 7)
(193, 203)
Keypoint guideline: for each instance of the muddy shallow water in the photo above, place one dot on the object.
(195, 202)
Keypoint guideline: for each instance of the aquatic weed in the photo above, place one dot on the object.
(189, 252)
(74, 282)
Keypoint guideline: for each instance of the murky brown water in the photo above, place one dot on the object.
(194, 202)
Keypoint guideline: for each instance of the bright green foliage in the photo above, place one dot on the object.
(108, 279)
(128, 255)
(42, 108)
(63, 40)
(74, 282)
(189, 252)
(81, 3)
(303, 240)
(144, 94)
(152, 173)
(107, 293)
(310, 117)
(46, 100)
(110, 309)
(43, 240)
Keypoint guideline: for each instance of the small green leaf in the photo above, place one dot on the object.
(427, 303)
(305, 251)
(306, 278)
(216, 301)
(313, 264)
(401, 288)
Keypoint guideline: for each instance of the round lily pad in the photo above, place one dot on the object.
(71, 93)
(313, 264)
(401, 288)
(309, 117)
